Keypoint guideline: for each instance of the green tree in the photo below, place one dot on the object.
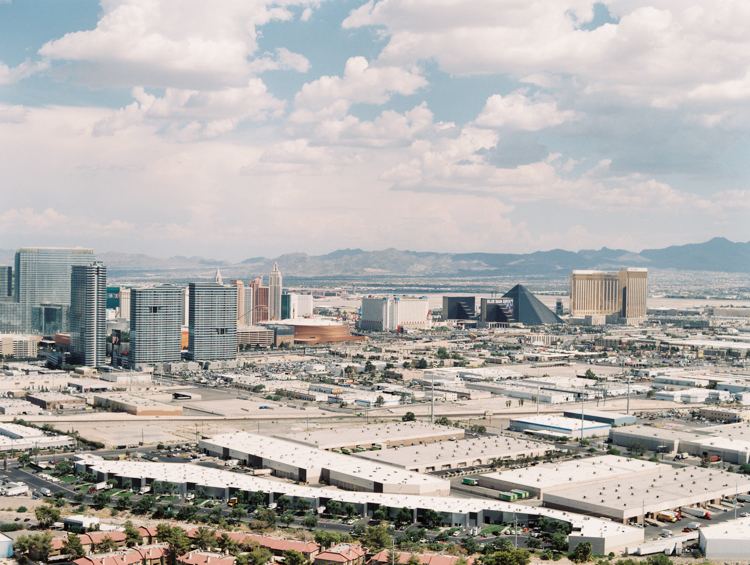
(381, 514)
(377, 538)
(73, 546)
(638, 447)
(259, 556)
(582, 553)
(433, 518)
(227, 544)
(257, 498)
(333, 507)
(267, 516)
(533, 543)
(132, 535)
(284, 502)
(24, 458)
(470, 545)
(442, 353)
(559, 541)
(287, 519)
(325, 538)
(504, 544)
(106, 545)
(613, 451)
(349, 509)
(303, 505)
(404, 516)
(205, 538)
(46, 515)
(60, 494)
(79, 497)
(292, 557)
(379, 401)
(101, 499)
(310, 521)
(413, 560)
(38, 546)
(408, 417)
(236, 514)
(659, 559)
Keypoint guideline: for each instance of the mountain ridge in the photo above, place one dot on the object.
(718, 255)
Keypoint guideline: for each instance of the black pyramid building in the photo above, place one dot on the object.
(528, 309)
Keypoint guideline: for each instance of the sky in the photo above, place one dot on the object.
(244, 128)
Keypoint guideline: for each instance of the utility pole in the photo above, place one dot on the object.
(735, 500)
(581, 416)
(537, 399)
(515, 530)
(432, 408)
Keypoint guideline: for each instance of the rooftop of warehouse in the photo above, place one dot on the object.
(652, 431)
(207, 477)
(669, 488)
(375, 433)
(733, 529)
(577, 471)
(306, 457)
(558, 422)
(446, 451)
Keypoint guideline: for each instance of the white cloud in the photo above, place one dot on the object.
(284, 60)
(656, 54)
(13, 114)
(516, 111)
(330, 97)
(169, 43)
(194, 114)
(24, 70)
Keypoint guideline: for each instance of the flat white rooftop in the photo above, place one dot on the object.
(560, 423)
(730, 530)
(475, 451)
(577, 471)
(394, 432)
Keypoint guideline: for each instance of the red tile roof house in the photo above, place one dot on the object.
(278, 546)
(205, 558)
(342, 554)
(144, 555)
(384, 558)
(89, 540)
(148, 533)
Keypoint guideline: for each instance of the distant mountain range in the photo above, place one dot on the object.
(718, 254)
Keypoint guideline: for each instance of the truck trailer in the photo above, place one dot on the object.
(697, 512)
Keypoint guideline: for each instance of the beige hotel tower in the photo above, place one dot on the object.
(620, 297)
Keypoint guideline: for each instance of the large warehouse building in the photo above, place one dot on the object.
(604, 535)
(458, 454)
(385, 435)
(729, 540)
(611, 418)
(558, 427)
(311, 465)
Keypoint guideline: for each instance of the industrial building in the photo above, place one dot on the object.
(18, 407)
(728, 540)
(544, 479)
(459, 454)
(17, 437)
(392, 434)
(611, 418)
(311, 465)
(558, 427)
(604, 535)
(724, 414)
(56, 401)
(655, 439)
(121, 402)
(625, 499)
(394, 313)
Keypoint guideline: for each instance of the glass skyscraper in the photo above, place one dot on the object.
(88, 314)
(43, 287)
(155, 325)
(212, 322)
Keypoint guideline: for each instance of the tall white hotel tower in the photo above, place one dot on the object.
(274, 293)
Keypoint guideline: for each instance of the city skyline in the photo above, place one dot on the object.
(392, 124)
